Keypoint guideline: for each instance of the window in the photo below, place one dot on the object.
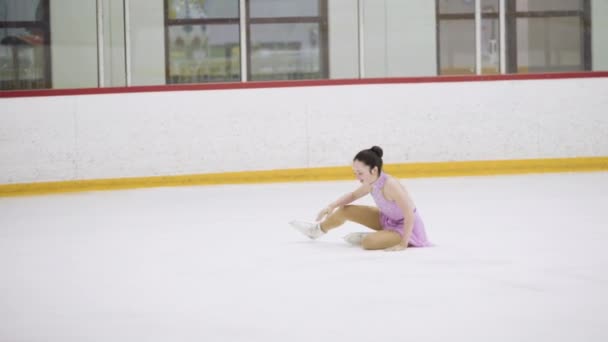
(202, 41)
(456, 37)
(287, 39)
(24, 44)
(548, 35)
(541, 36)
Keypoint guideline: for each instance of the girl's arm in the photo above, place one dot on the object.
(344, 200)
(396, 192)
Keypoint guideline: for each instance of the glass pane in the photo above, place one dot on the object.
(490, 37)
(21, 10)
(490, 6)
(285, 52)
(283, 8)
(74, 44)
(549, 5)
(204, 53)
(343, 39)
(200, 9)
(22, 59)
(549, 44)
(490, 46)
(457, 47)
(454, 7)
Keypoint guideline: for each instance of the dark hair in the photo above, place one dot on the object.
(371, 157)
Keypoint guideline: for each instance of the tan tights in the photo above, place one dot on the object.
(367, 216)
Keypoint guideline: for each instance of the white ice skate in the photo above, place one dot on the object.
(355, 239)
(312, 230)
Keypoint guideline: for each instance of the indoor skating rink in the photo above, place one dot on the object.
(517, 258)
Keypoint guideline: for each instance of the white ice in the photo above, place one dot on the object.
(517, 258)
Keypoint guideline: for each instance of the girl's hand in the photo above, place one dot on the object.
(324, 213)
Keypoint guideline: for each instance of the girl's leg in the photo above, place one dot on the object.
(381, 240)
(364, 215)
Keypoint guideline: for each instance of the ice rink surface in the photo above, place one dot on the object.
(517, 258)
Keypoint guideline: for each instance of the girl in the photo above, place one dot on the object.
(396, 222)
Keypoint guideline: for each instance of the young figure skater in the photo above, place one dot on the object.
(395, 220)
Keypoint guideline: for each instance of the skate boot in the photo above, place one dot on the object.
(312, 230)
(355, 239)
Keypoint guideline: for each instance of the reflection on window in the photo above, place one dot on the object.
(285, 52)
(456, 47)
(456, 37)
(456, 7)
(548, 5)
(24, 44)
(283, 8)
(203, 9)
(205, 53)
(288, 39)
(203, 41)
(490, 37)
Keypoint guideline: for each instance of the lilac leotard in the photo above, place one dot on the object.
(391, 216)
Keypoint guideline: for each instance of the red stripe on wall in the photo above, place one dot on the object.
(302, 83)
